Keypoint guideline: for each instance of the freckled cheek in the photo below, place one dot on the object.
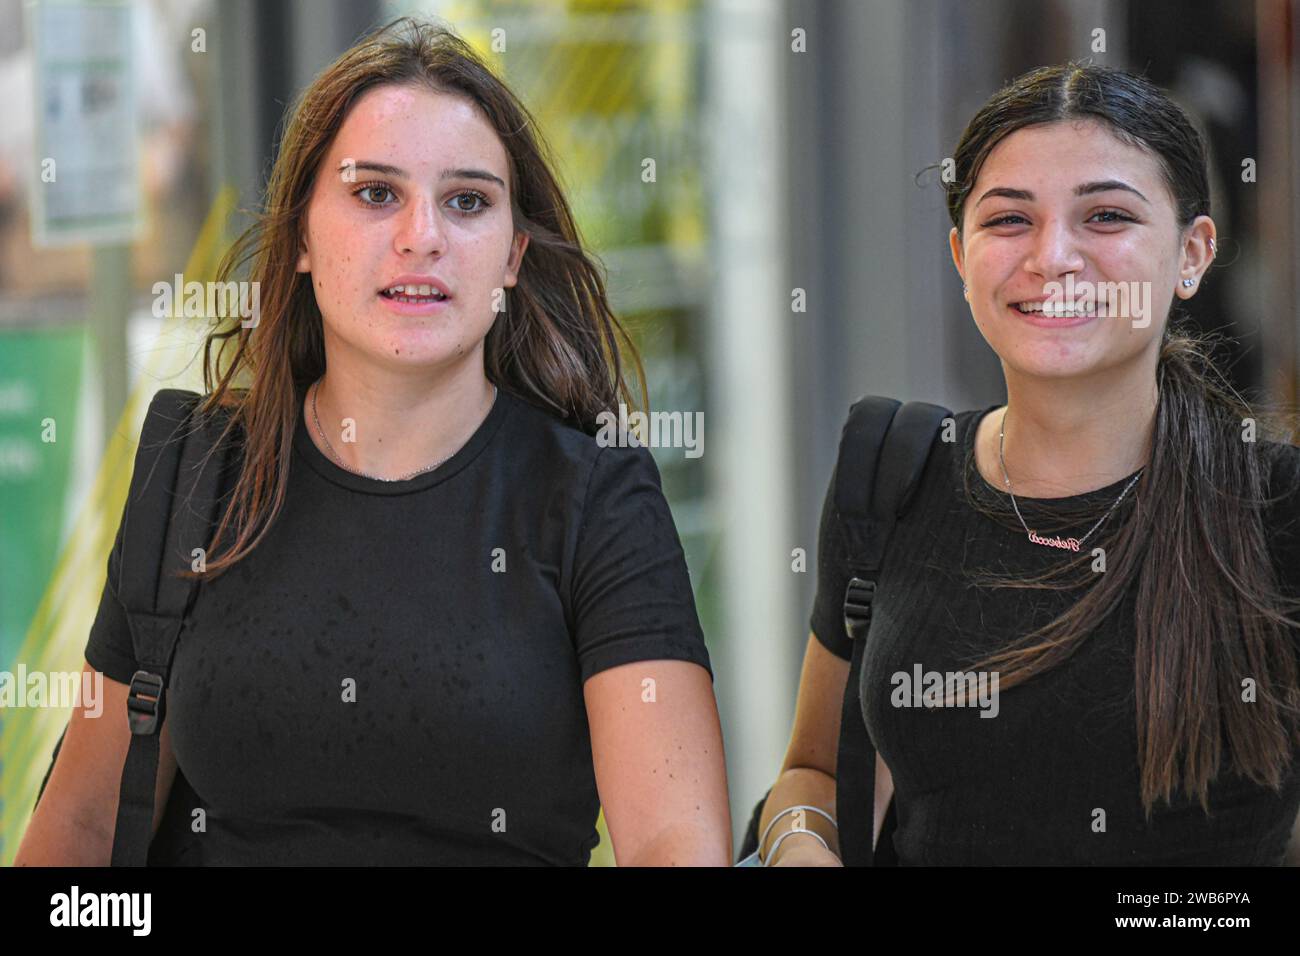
(483, 261)
(477, 272)
(337, 275)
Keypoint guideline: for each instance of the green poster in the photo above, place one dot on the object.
(40, 383)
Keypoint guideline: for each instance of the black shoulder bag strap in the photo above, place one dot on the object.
(883, 451)
(171, 509)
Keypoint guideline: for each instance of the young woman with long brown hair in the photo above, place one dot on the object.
(422, 514)
(1117, 544)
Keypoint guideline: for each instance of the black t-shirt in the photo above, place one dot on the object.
(468, 605)
(1023, 787)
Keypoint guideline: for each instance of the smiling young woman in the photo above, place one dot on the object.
(1112, 543)
(423, 514)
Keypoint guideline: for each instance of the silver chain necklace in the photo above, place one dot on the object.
(1066, 544)
(339, 461)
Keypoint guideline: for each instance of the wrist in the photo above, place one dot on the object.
(793, 834)
(803, 853)
(798, 820)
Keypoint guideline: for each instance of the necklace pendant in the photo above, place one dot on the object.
(1065, 544)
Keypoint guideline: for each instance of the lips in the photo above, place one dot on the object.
(1057, 309)
(1060, 315)
(413, 293)
(416, 289)
(415, 296)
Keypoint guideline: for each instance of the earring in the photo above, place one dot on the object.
(1188, 283)
(964, 290)
(1212, 252)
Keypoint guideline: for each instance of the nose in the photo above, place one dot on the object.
(1055, 251)
(420, 229)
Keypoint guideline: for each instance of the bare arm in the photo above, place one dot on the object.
(808, 774)
(74, 821)
(659, 764)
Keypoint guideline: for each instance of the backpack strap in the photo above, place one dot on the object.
(883, 451)
(172, 507)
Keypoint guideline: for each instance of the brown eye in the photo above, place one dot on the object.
(471, 202)
(372, 189)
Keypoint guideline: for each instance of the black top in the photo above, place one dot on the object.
(1023, 787)
(466, 606)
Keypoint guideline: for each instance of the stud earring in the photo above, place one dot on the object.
(1188, 283)
(964, 290)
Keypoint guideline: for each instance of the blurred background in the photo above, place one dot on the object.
(790, 256)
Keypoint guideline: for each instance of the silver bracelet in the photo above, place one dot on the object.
(771, 854)
(801, 806)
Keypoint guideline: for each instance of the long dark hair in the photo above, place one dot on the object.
(557, 343)
(1209, 613)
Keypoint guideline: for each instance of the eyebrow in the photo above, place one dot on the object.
(1084, 189)
(384, 169)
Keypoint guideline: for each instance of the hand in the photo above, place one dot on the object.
(800, 851)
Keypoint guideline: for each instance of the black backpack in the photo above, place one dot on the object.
(883, 450)
(171, 508)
